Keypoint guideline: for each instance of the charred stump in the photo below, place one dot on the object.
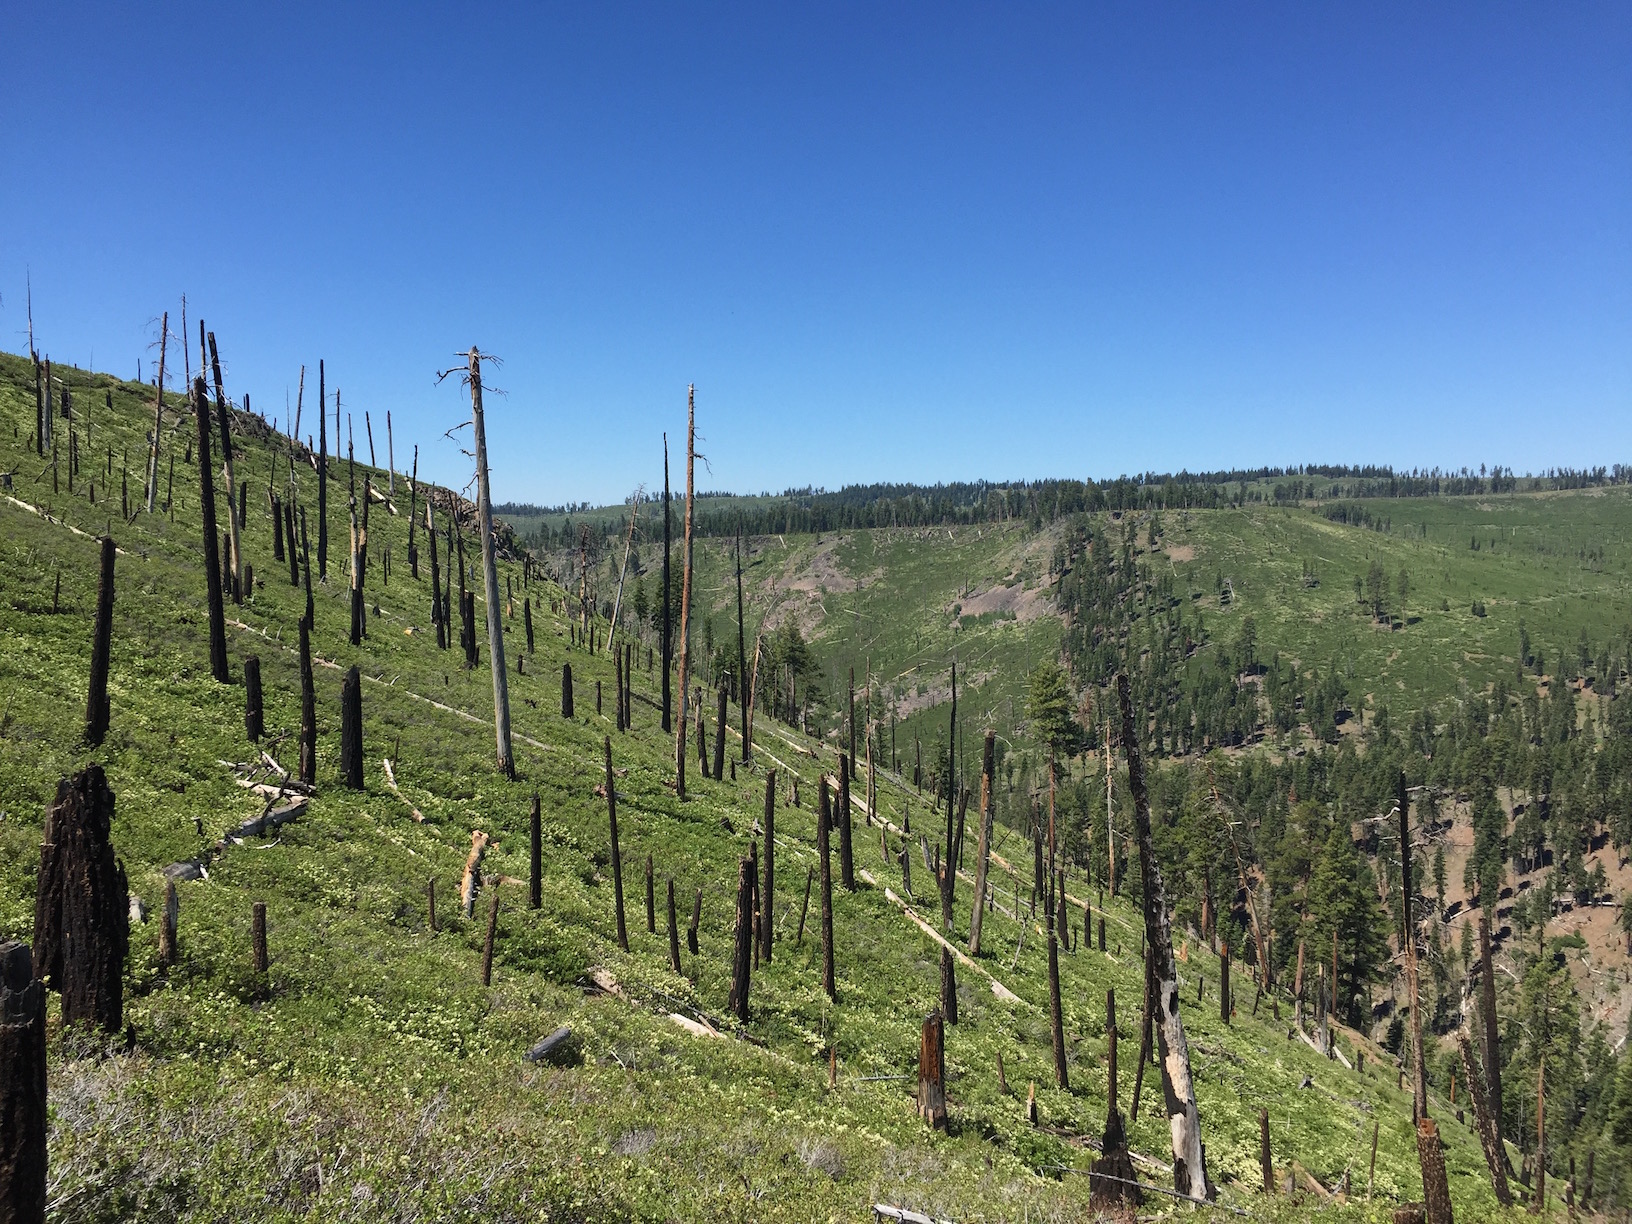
(22, 1088)
(254, 724)
(82, 906)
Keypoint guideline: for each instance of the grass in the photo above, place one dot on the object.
(372, 1076)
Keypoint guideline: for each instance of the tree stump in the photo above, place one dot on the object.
(1436, 1190)
(932, 1072)
(535, 887)
(949, 986)
(168, 926)
(82, 906)
(351, 729)
(566, 690)
(674, 933)
(257, 935)
(22, 1088)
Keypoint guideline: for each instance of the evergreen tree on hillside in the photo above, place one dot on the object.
(1343, 897)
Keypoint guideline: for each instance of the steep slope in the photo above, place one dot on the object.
(372, 1076)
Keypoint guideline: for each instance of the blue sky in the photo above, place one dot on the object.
(909, 242)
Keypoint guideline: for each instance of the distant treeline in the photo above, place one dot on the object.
(961, 503)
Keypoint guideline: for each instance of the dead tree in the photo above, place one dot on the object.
(308, 708)
(82, 905)
(617, 860)
(719, 738)
(1178, 1090)
(824, 820)
(744, 700)
(1489, 1139)
(847, 865)
(685, 595)
(668, 597)
(322, 477)
(351, 729)
(254, 723)
(1436, 1190)
(768, 889)
(1491, 1038)
(438, 614)
(492, 934)
(1110, 1176)
(168, 920)
(22, 1088)
(212, 556)
(158, 416)
(651, 898)
(628, 547)
(566, 690)
(983, 843)
(223, 421)
(257, 938)
(932, 1072)
(949, 986)
(413, 496)
(742, 951)
(674, 933)
(526, 619)
(490, 575)
(1419, 1066)
(96, 697)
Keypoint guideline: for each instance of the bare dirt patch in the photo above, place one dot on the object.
(1027, 603)
(1181, 552)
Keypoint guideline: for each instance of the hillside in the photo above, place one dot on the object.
(370, 1075)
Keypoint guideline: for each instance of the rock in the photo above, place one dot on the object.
(138, 909)
(188, 870)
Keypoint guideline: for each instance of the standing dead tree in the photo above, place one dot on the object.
(1178, 1089)
(685, 593)
(744, 681)
(158, 416)
(824, 821)
(96, 696)
(322, 477)
(742, 950)
(82, 904)
(212, 556)
(223, 421)
(628, 547)
(490, 572)
(983, 843)
(617, 857)
(668, 597)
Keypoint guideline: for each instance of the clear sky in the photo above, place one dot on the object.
(910, 242)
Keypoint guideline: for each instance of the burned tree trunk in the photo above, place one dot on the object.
(82, 905)
(413, 496)
(308, 708)
(847, 863)
(526, 619)
(1436, 1190)
(685, 597)
(439, 616)
(1419, 1062)
(322, 476)
(254, 723)
(351, 729)
(668, 596)
(674, 933)
(1110, 1176)
(742, 954)
(949, 986)
(1184, 1120)
(490, 576)
(744, 680)
(233, 513)
(617, 859)
(22, 1088)
(168, 921)
(566, 690)
(719, 738)
(651, 898)
(1491, 1046)
(824, 859)
(96, 696)
(212, 556)
(768, 889)
(932, 1072)
(983, 843)
(1489, 1139)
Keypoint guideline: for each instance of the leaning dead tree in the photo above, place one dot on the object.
(490, 571)
(1178, 1089)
